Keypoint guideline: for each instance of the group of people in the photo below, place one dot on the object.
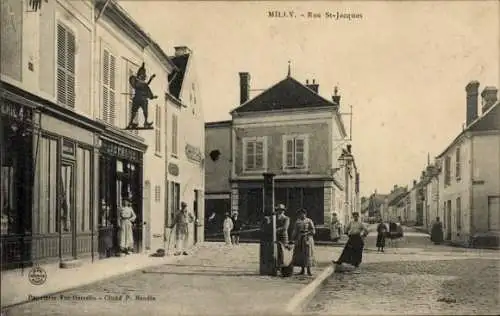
(231, 227)
(393, 231)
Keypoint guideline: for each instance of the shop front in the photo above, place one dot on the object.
(16, 179)
(121, 177)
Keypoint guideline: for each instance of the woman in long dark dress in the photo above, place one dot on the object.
(437, 232)
(303, 251)
(381, 234)
(353, 250)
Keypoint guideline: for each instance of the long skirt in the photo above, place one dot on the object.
(303, 252)
(353, 251)
(380, 240)
(126, 234)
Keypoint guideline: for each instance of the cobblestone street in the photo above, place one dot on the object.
(420, 278)
(215, 281)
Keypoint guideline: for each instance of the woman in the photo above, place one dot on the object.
(353, 250)
(381, 234)
(437, 232)
(302, 235)
(227, 227)
(127, 218)
(334, 228)
(235, 232)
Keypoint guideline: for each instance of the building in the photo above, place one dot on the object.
(218, 173)
(431, 195)
(469, 183)
(389, 209)
(64, 149)
(185, 164)
(376, 204)
(415, 214)
(293, 132)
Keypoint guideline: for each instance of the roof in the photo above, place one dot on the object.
(284, 95)
(489, 121)
(176, 78)
(396, 196)
(218, 124)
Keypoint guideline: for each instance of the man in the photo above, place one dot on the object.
(237, 225)
(282, 224)
(353, 250)
(181, 221)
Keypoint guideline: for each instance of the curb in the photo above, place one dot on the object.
(93, 281)
(307, 293)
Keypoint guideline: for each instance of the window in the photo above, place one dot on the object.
(174, 135)
(131, 71)
(65, 66)
(459, 214)
(84, 185)
(447, 171)
(157, 193)
(108, 86)
(255, 152)
(457, 164)
(295, 152)
(175, 199)
(158, 129)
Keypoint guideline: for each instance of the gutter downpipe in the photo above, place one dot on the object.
(471, 193)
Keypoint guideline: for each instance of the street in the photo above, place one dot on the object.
(417, 277)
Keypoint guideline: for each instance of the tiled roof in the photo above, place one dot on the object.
(286, 94)
(489, 121)
(176, 78)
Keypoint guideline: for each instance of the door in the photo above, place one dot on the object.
(196, 216)
(67, 211)
(494, 213)
(448, 220)
(146, 215)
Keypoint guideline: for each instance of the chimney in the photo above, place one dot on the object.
(244, 87)
(182, 50)
(490, 97)
(314, 87)
(472, 90)
(336, 97)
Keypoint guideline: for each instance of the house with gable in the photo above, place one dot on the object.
(293, 132)
(184, 145)
(469, 184)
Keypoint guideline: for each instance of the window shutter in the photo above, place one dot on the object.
(112, 87)
(105, 84)
(289, 152)
(70, 69)
(61, 64)
(174, 134)
(250, 156)
(299, 152)
(259, 154)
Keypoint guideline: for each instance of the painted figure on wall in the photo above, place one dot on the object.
(142, 94)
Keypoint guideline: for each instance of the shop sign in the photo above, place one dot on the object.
(193, 153)
(119, 151)
(173, 169)
(16, 111)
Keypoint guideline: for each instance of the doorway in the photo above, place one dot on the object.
(448, 220)
(494, 213)
(67, 211)
(196, 215)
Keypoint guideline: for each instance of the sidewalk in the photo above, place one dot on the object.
(16, 286)
(215, 280)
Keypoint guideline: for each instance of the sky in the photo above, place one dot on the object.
(403, 66)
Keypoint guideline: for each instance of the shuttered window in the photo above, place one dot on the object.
(157, 193)
(158, 129)
(174, 135)
(295, 151)
(108, 86)
(254, 153)
(458, 172)
(65, 66)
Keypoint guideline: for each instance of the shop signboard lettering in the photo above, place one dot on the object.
(16, 111)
